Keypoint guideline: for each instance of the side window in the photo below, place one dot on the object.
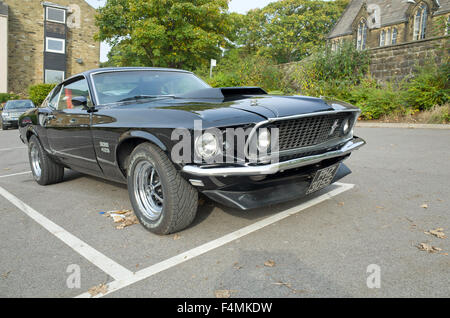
(53, 99)
(74, 89)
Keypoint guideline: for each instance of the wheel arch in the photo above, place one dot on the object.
(131, 140)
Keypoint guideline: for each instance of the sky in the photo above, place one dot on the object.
(240, 6)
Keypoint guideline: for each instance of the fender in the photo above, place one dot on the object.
(143, 135)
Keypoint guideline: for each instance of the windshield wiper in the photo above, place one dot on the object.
(143, 97)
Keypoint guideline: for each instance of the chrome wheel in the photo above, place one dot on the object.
(148, 190)
(36, 161)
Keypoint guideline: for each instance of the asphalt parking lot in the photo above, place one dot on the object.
(315, 247)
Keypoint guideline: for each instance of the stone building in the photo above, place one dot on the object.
(45, 42)
(398, 33)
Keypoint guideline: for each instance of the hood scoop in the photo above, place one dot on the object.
(224, 93)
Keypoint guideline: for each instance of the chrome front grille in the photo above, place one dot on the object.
(309, 131)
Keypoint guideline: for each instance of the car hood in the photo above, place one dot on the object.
(218, 112)
(16, 110)
(267, 106)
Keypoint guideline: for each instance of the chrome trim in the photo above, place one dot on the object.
(196, 183)
(273, 168)
(301, 149)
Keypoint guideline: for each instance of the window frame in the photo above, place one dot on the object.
(382, 38)
(48, 38)
(394, 39)
(70, 81)
(420, 21)
(58, 9)
(45, 75)
(361, 35)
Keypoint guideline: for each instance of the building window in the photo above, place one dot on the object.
(52, 76)
(420, 22)
(362, 35)
(382, 38)
(394, 36)
(55, 15)
(55, 45)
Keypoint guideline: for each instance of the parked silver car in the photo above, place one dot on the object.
(12, 111)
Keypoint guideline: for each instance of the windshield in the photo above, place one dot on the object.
(120, 86)
(18, 104)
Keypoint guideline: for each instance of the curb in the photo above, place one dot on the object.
(403, 125)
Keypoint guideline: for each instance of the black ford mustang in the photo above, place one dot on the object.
(169, 135)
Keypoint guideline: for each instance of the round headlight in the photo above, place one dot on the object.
(263, 139)
(207, 145)
(346, 126)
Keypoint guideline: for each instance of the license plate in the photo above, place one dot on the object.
(322, 178)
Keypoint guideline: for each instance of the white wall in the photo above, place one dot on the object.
(3, 54)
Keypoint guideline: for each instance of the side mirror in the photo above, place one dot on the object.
(79, 101)
(82, 101)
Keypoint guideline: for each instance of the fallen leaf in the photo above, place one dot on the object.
(425, 206)
(5, 275)
(380, 207)
(123, 217)
(269, 263)
(428, 248)
(176, 237)
(439, 233)
(237, 266)
(94, 291)
(201, 202)
(341, 203)
(117, 218)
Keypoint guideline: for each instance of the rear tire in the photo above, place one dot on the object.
(45, 170)
(162, 200)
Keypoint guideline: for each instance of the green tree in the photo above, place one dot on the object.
(166, 33)
(289, 30)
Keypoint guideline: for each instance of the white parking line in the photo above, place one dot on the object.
(7, 149)
(197, 251)
(15, 174)
(106, 264)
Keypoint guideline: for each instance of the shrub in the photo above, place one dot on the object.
(39, 92)
(239, 69)
(4, 97)
(429, 87)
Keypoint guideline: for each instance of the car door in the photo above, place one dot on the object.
(68, 128)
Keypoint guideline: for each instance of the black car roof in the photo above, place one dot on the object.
(121, 69)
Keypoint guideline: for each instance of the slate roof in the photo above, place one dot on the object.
(392, 12)
(3, 9)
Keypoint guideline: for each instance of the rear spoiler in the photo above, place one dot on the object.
(223, 93)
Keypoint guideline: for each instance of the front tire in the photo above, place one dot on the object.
(162, 200)
(45, 170)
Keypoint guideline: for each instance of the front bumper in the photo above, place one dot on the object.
(10, 122)
(274, 168)
(293, 186)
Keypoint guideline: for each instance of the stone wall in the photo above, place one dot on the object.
(26, 41)
(395, 62)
